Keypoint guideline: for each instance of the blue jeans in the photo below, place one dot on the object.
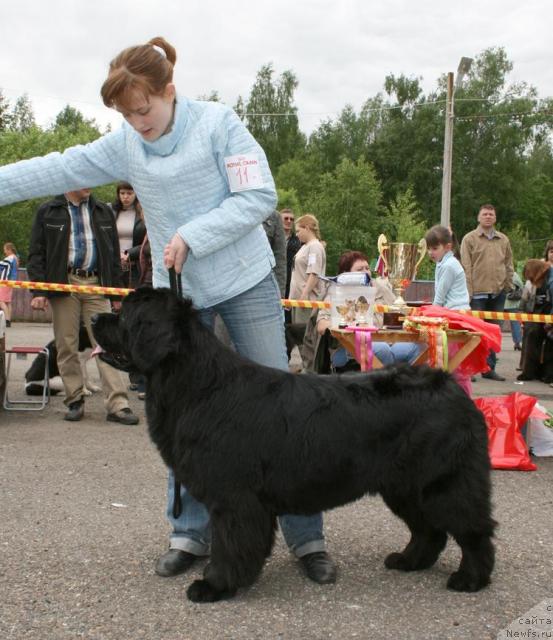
(254, 322)
(491, 303)
(516, 329)
(398, 352)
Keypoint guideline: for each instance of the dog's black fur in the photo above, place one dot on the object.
(252, 442)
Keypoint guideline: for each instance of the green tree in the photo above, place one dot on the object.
(5, 117)
(22, 117)
(288, 199)
(16, 219)
(271, 116)
(348, 205)
(302, 175)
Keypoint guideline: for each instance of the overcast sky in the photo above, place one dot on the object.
(58, 51)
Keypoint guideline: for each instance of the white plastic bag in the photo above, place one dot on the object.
(539, 437)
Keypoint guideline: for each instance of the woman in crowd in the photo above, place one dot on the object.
(548, 252)
(10, 263)
(309, 264)
(537, 347)
(203, 211)
(131, 231)
(340, 360)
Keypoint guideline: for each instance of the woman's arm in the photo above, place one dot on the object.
(310, 284)
(89, 165)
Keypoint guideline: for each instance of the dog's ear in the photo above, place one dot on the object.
(151, 343)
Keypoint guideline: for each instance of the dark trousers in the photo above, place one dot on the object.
(491, 303)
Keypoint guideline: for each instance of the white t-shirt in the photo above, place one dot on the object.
(311, 258)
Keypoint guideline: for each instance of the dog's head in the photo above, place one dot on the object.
(145, 332)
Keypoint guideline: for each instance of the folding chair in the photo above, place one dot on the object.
(21, 353)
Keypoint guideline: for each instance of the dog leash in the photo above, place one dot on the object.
(175, 283)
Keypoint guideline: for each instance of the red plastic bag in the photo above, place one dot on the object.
(505, 416)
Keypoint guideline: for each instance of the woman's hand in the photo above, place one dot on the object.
(175, 253)
(40, 303)
(322, 325)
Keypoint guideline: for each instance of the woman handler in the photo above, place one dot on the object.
(205, 187)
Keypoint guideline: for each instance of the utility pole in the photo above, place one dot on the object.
(462, 70)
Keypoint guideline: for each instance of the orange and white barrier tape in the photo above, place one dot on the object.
(381, 308)
(302, 304)
(66, 288)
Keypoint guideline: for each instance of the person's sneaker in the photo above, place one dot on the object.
(76, 411)
(493, 375)
(142, 395)
(8, 323)
(173, 562)
(319, 567)
(123, 416)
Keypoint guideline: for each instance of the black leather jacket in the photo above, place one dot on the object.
(49, 248)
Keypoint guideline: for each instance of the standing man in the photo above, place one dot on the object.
(293, 245)
(275, 234)
(74, 240)
(488, 262)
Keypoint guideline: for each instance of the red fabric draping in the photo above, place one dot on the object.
(475, 362)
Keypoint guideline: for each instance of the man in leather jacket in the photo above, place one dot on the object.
(74, 241)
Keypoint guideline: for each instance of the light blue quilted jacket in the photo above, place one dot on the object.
(182, 185)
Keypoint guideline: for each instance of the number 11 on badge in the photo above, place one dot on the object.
(244, 172)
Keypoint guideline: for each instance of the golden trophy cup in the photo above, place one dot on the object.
(402, 260)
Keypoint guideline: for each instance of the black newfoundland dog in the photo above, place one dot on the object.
(251, 442)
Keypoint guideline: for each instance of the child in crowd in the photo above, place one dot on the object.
(450, 286)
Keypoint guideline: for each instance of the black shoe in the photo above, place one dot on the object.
(319, 567)
(493, 375)
(8, 323)
(174, 562)
(517, 346)
(123, 416)
(76, 411)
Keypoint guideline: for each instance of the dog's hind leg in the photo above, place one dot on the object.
(477, 562)
(426, 541)
(242, 537)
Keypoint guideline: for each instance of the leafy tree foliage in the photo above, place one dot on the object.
(348, 205)
(271, 116)
(18, 143)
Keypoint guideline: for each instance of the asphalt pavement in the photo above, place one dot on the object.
(82, 523)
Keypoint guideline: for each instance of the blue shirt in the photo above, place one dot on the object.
(450, 287)
(82, 244)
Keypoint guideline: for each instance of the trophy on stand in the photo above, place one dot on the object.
(401, 260)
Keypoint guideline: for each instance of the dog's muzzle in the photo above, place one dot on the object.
(115, 360)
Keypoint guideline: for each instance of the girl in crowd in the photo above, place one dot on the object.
(131, 231)
(309, 264)
(450, 283)
(187, 163)
(11, 263)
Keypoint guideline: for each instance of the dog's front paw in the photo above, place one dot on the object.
(397, 561)
(460, 581)
(202, 591)
(87, 392)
